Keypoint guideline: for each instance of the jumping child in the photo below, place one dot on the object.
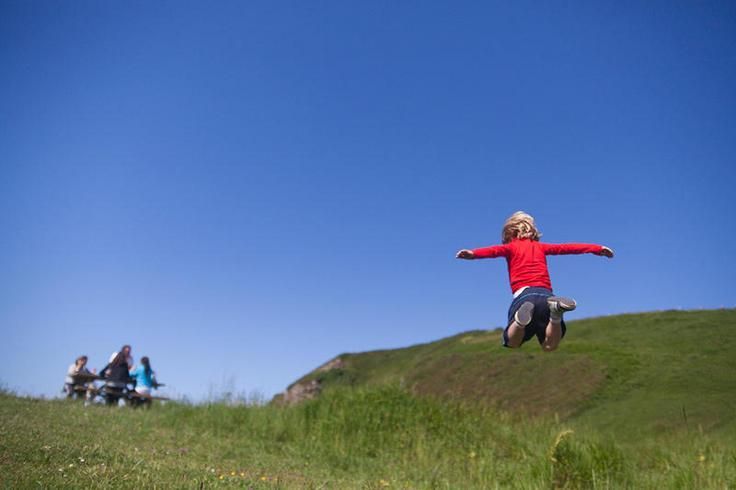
(534, 309)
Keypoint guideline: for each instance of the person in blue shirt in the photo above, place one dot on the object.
(145, 378)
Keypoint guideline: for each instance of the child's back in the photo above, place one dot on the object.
(527, 259)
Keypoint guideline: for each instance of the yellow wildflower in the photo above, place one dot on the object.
(553, 450)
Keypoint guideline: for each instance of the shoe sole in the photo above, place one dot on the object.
(562, 304)
(523, 315)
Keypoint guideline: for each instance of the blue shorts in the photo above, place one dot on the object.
(540, 319)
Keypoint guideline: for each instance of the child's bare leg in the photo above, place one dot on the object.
(552, 335)
(553, 332)
(515, 334)
(522, 318)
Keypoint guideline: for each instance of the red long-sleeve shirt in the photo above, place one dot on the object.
(527, 259)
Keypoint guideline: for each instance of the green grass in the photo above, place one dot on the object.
(379, 437)
(633, 401)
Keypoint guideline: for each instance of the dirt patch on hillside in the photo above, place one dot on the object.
(535, 384)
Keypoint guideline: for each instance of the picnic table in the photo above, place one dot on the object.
(83, 384)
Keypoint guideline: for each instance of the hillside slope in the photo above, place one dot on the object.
(652, 373)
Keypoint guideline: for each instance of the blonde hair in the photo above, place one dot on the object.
(519, 225)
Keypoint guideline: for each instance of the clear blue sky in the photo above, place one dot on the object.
(243, 190)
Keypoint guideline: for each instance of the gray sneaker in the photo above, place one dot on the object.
(523, 315)
(559, 305)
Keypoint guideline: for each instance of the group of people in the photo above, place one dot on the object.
(119, 372)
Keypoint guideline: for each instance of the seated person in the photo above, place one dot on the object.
(116, 374)
(71, 385)
(145, 379)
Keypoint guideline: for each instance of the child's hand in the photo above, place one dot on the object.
(465, 254)
(607, 252)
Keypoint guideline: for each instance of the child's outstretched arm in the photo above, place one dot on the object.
(482, 253)
(576, 248)
(465, 254)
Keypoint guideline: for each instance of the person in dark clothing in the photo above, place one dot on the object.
(116, 376)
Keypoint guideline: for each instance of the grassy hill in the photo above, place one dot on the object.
(632, 411)
(637, 374)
